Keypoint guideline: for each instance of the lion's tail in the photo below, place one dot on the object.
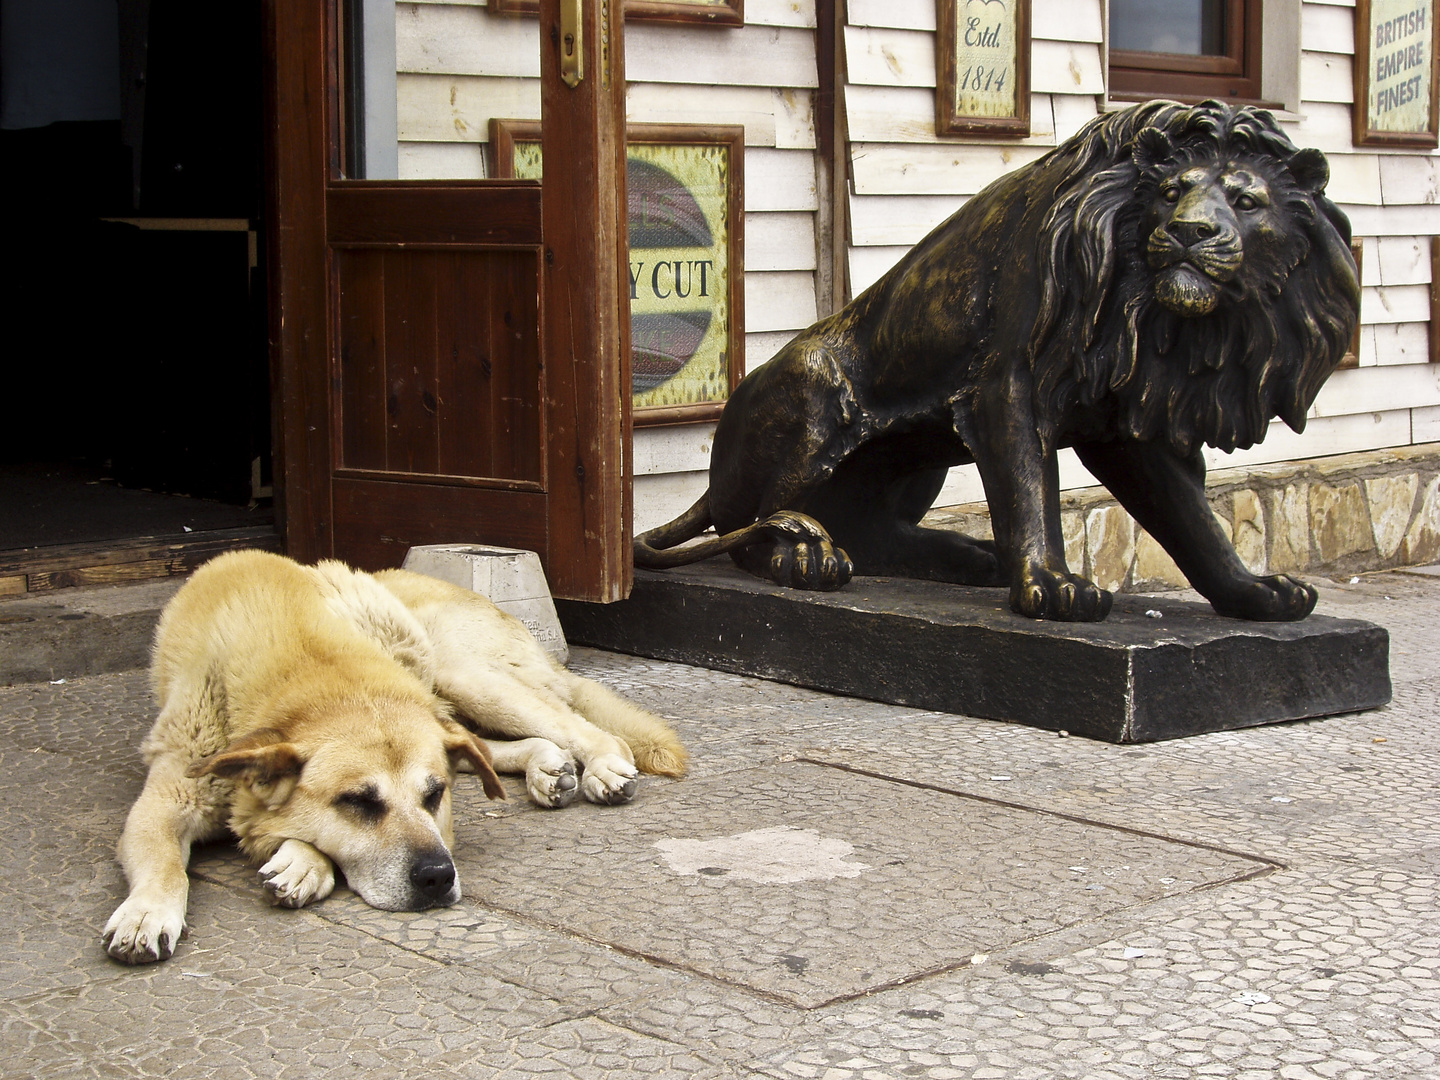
(658, 548)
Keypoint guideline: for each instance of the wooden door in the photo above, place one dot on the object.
(452, 357)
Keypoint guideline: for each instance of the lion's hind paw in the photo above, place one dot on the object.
(1278, 598)
(1058, 596)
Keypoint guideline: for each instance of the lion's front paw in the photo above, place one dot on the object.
(819, 566)
(609, 780)
(1279, 598)
(1058, 596)
(144, 930)
(298, 874)
(803, 555)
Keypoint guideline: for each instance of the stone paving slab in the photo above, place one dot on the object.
(790, 893)
(1326, 967)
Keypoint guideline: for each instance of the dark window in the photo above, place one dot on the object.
(1185, 49)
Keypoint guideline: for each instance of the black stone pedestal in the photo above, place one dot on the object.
(1131, 678)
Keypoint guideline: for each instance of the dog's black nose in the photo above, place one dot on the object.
(433, 876)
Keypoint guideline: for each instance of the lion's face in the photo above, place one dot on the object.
(1214, 226)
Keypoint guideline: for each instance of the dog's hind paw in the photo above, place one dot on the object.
(609, 780)
(298, 874)
(551, 779)
(142, 932)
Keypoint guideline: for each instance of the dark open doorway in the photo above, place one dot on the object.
(137, 431)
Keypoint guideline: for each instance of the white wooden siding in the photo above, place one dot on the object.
(905, 181)
(459, 66)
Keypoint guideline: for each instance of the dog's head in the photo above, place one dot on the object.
(368, 783)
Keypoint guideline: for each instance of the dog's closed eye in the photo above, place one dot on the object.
(366, 803)
(434, 794)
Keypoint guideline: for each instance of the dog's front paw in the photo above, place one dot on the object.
(143, 930)
(298, 874)
(609, 780)
(551, 778)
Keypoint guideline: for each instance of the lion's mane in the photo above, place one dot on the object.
(1101, 337)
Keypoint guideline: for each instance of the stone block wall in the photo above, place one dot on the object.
(1329, 516)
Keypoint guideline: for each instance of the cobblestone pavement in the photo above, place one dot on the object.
(839, 890)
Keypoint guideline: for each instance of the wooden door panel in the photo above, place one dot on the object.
(439, 362)
(420, 401)
(490, 369)
(377, 521)
(434, 212)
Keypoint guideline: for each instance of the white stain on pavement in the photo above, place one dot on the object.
(780, 856)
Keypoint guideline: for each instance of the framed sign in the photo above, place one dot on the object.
(685, 186)
(1396, 100)
(711, 12)
(983, 68)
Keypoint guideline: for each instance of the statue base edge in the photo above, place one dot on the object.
(1133, 678)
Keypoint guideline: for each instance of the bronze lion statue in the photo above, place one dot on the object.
(1170, 276)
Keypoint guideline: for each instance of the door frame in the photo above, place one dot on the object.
(585, 324)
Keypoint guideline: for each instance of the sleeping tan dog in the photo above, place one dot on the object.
(313, 711)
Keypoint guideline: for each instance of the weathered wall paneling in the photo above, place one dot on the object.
(459, 65)
(905, 181)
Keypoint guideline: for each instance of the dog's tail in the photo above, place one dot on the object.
(656, 747)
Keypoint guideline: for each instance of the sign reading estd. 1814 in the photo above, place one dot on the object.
(984, 67)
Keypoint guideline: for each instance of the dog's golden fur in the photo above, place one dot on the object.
(313, 711)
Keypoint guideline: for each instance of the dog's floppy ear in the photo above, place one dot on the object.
(465, 747)
(261, 760)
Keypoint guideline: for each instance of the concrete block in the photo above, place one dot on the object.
(511, 578)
